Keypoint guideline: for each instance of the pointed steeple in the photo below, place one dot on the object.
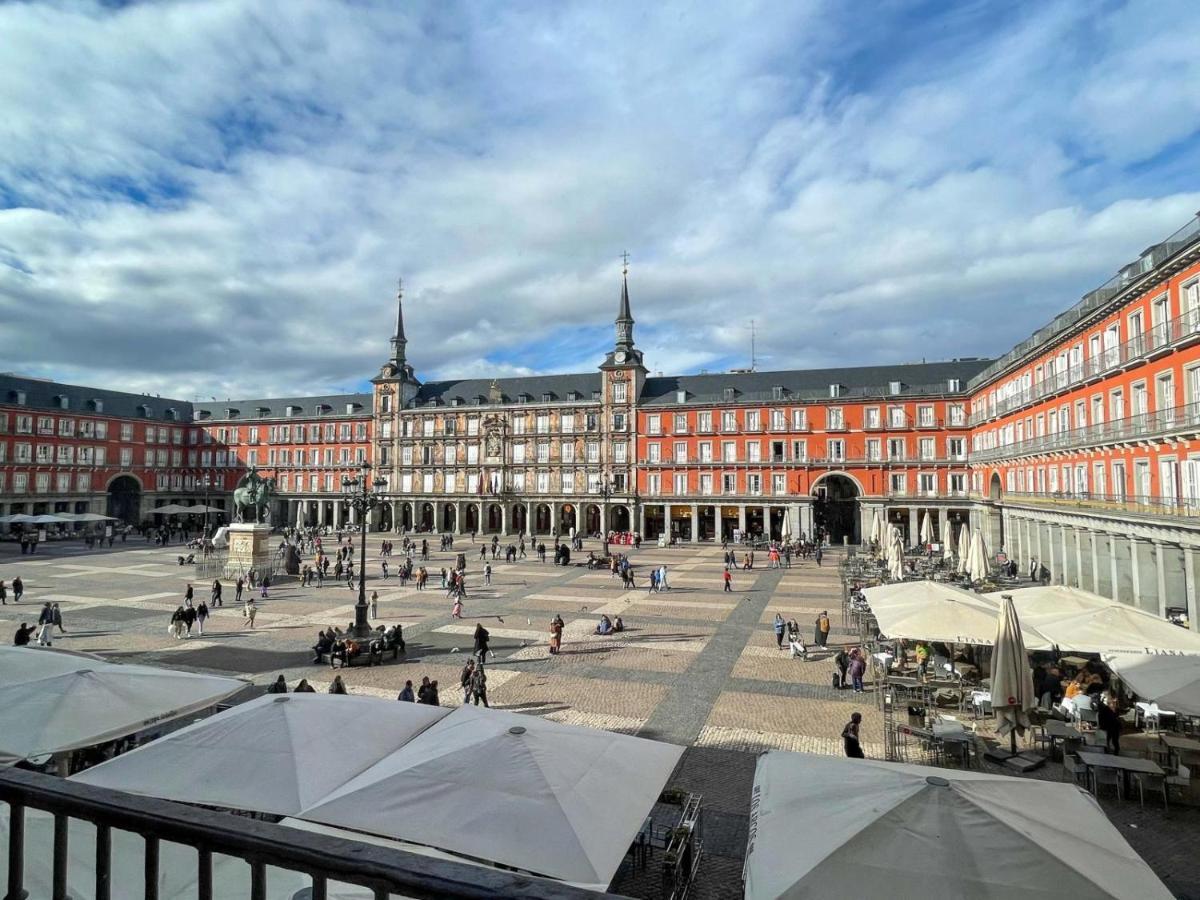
(624, 316)
(399, 342)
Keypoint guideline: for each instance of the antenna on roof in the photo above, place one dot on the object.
(753, 355)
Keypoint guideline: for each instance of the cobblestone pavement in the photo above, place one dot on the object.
(696, 665)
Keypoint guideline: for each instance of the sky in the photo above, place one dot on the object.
(216, 199)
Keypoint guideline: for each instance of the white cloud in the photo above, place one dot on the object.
(216, 198)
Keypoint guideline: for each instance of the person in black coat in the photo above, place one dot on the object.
(481, 641)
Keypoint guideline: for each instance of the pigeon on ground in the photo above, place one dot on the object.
(453, 649)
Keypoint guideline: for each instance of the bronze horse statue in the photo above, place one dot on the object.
(253, 496)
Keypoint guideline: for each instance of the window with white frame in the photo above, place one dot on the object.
(654, 484)
(706, 484)
(568, 482)
(753, 483)
(679, 483)
(896, 417)
(896, 448)
(958, 484)
(836, 450)
(679, 453)
(704, 422)
(778, 420)
(706, 451)
(753, 451)
(728, 420)
(654, 452)
(927, 483)
(898, 482)
(543, 482)
(874, 450)
(871, 417)
(753, 420)
(925, 416)
(620, 452)
(681, 425)
(543, 452)
(728, 451)
(778, 484)
(800, 451)
(925, 447)
(566, 452)
(654, 424)
(800, 419)
(729, 483)
(834, 418)
(620, 392)
(593, 451)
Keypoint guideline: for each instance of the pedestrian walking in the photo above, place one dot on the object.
(45, 626)
(818, 554)
(556, 633)
(58, 619)
(18, 587)
(857, 668)
(821, 628)
(780, 624)
(266, 583)
(374, 604)
(201, 615)
(850, 739)
(481, 641)
(487, 573)
(478, 685)
(3, 593)
(464, 680)
(189, 619)
(456, 609)
(215, 599)
(188, 595)
(238, 588)
(249, 611)
(728, 580)
(176, 624)
(407, 695)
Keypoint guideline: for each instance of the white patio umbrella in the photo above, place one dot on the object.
(926, 529)
(964, 547)
(80, 702)
(170, 509)
(1012, 679)
(977, 558)
(934, 611)
(877, 529)
(948, 542)
(946, 833)
(305, 746)
(92, 517)
(555, 800)
(16, 519)
(1171, 680)
(47, 519)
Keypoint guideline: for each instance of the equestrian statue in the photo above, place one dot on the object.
(252, 497)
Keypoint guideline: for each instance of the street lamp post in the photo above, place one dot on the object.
(605, 493)
(206, 481)
(363, 493)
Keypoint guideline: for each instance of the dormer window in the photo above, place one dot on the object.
(456, 401)
(322, 409)
(953, 385)
(171, 415)
(595, 396)
(62, 401)
(895, 387)
(352, 408)
(523, 397)
(478, 400)
(777, 392)
(17, 397)
(728, 393)
(263, 412)
(231, 413)
(96, 404)
(681, 396)
(547, 397)
(572, 396)
(835, 390)
(144, 411)
(291, 410)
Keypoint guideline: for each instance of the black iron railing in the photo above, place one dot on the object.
(382, 870)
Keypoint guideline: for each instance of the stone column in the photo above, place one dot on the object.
(354, 517)
(641, 518)
(1067, 573)
(914, 526)
(529, 522)
(1099, 563)
(603, 508)
(939, 525)
(1142, 574)
(1076, 548)
(504, 518)
(458, 517)
(395, 515)
(553, 518)
(1189, 587)
(742, 518)
(1102, 546)
(695, 522)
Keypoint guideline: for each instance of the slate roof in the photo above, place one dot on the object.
(40, 395)
(276, 407)
(917, 380)
(558, 386)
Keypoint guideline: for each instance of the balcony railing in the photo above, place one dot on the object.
(1145, 505)
(263, 845)
(1159, 339)
(1132, 428)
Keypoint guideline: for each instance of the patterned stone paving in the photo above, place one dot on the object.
(696, 665)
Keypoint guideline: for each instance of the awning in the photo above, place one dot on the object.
(303, 747)
(932, 611)
(821, 826)
(56, 702)
(1170, 680)
(521, 791)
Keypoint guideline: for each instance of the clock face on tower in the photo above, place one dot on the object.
(619, 356)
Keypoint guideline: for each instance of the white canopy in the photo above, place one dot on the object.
(170, 509)
(954, 833)
(1073, 619)
(522, 791)
(56, 702)
(1170, 680)
(303, 747)
(932, 611)
(91, 517)
(948, 542)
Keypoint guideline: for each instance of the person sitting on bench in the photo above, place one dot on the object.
(323, 645)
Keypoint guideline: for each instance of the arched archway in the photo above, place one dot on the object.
(620, 519)
(472, 518)
(125, 498)
(994, 487)
(566, 519)
(449, 517)
(541, 517)
(495, 517)
(591, 519)
(425, 522)
(517, 515)
(406, 516)
(835, 507)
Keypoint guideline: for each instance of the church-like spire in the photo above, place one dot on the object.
(624, 316)
(399, 342)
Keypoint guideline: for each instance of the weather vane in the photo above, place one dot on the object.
(625, 260)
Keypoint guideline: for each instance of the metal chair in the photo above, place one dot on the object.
(1041, 739)
(1146, 781)
(1107, 777)
(1073, 766)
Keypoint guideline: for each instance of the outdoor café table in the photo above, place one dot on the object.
(1061, 731)
(1126, 764)
(1182, 749)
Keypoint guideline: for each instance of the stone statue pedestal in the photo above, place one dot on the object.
(249, 548)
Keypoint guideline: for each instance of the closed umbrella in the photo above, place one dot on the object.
(948, 543)
(926, 530)
(896, 569)
(977, 558)
(1012, 679)
(964, 548)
